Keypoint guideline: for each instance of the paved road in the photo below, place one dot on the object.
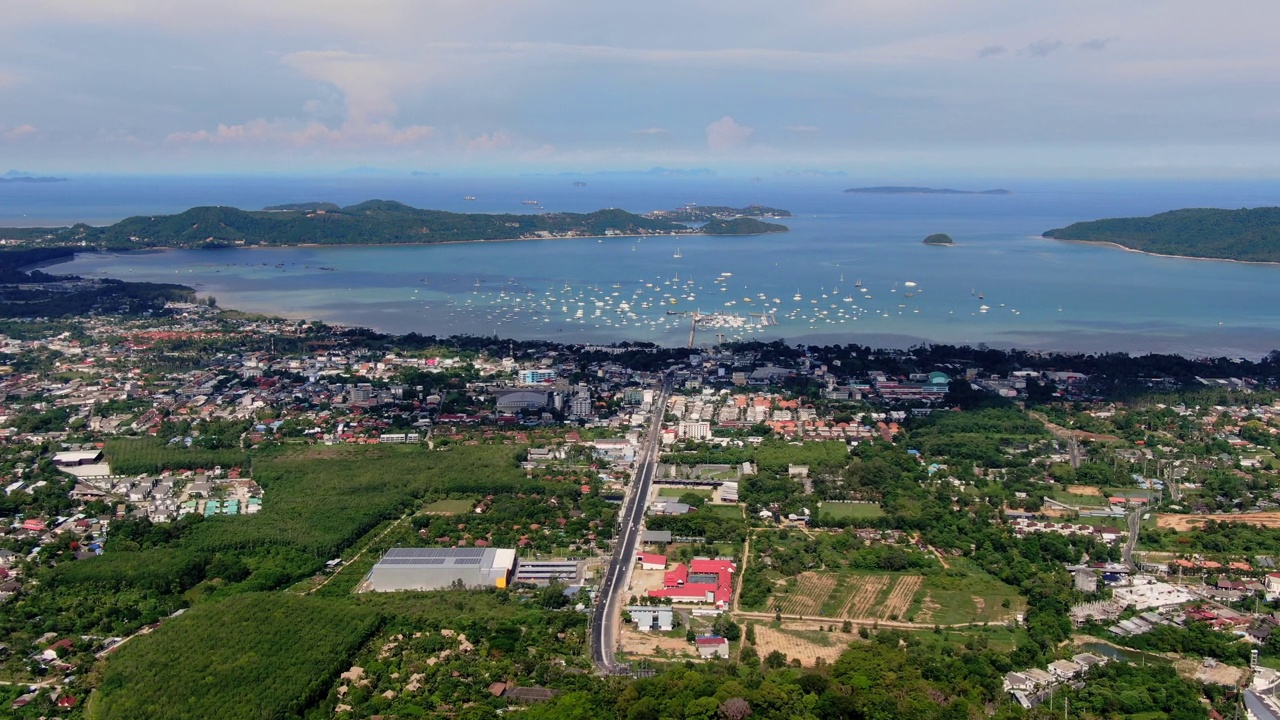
(604, 620)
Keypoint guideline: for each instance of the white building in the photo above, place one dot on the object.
(658, 618)
(695, 430)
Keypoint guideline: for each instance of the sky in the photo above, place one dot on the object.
(1043, 88)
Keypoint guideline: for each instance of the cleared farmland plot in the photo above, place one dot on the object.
(811, 593)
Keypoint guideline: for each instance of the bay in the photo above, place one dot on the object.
(1037, 293)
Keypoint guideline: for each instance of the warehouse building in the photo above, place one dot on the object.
(544, 572)
(441, 568)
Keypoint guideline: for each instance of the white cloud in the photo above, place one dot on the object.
(726, 134)
(284, 132)
(367, 85)
(17, 132)
(486, 142)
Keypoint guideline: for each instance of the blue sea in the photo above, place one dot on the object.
(851, 270)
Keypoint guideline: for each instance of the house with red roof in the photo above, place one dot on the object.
(712, 646)
(651, 561)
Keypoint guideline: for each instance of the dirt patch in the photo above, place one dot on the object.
(1084, 490)
(1187, 522)
(1210, 674)
(653, 645)
(644, 580)
(769, 639)
(927, 608)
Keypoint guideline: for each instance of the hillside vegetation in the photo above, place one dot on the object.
(741, 226)
(1251, 234)
(252, 656)
(373, 221)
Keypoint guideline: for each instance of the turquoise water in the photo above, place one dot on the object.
(1037, 293)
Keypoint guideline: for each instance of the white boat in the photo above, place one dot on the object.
(678, 254)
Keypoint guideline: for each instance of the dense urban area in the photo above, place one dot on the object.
(212, 515)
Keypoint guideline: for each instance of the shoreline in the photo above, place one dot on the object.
(1126, 248)
(167, 248)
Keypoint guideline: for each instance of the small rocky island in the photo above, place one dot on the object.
(939, 239)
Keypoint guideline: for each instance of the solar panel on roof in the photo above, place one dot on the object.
(467, 561)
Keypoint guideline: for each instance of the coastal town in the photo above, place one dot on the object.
(764, 460)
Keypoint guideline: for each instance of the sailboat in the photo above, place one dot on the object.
(678, 253)
(857, 283)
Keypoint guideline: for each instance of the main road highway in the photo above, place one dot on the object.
(605, 618)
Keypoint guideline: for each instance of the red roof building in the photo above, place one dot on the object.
(652, 561)
(703, 580)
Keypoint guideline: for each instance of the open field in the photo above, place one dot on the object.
(448, 507)
(729, 511)
(857, 596)
(1094, 499)
(1084, 490)
(642, 580)
(965, 594)
(676, 492)
(651, 644)
(860, 597)
(805, 641)
(858, 511)
(1187, 522)
(900, 597)
(812, 591)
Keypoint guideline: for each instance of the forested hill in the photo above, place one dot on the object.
(741, 226)
(1251, 234)
(371, 222)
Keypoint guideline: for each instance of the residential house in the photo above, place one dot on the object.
(712, 646)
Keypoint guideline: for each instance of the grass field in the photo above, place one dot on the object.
(858, 511)
(729, 511)
(449, 507)
(678, 491)
(965, 594)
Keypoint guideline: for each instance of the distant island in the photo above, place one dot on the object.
(1249, 235)
(939, 239)
(17, 176)
(907, 190)
(367, 223)
(304, 207)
